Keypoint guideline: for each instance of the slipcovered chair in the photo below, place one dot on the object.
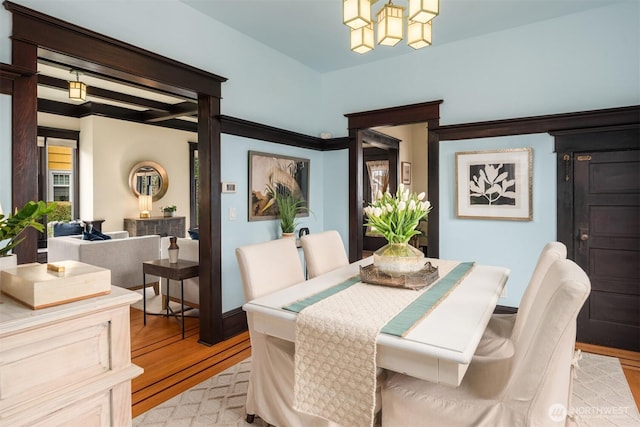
(501, 326)
(323, 252)
(265, 268)
(526, 386)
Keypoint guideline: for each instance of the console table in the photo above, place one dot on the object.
(164, 226)
(67, 364)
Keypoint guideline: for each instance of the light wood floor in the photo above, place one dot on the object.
(172, 365)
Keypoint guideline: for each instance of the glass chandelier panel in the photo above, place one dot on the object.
(356, 13)
(390, 25)
(423, 10)
(362, 39)
(419, 34)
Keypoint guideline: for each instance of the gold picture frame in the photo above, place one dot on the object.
(495, 184)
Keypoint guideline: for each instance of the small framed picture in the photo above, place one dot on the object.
(494, 184)
(406, 172)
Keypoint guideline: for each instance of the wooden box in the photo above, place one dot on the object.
(38, 287)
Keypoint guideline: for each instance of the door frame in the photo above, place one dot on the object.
(81, 48)
(567, 145)
(569, 142)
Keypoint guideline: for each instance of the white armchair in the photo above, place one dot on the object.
(501, 326)
(521, 387)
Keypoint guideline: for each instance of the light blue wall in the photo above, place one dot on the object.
(584, 61)
(512, 244)
(235, 152)
(336, 193)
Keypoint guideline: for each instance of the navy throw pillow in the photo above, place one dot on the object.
(195, 234)
(89, 236)
(96, 233)
(67, 229)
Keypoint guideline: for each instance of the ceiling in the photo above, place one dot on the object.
(312, 32)
(309, 31)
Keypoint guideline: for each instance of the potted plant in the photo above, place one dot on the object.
(12, 226)
(288, 207)
(169, 210)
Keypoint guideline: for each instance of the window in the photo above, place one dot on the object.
(60, 186)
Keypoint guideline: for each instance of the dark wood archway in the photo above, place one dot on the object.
(428, 112)
(37, 34)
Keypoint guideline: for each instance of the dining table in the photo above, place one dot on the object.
(437, 348)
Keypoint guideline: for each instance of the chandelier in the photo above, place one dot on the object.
(390, 18)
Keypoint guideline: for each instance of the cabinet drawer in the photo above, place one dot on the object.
(50, 359)
(91, 412)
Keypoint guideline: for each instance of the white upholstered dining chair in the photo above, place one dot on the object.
(323, 252)
(501, 326)
(529, 386)
(265, 268)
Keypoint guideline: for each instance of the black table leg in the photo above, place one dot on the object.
(144, 299)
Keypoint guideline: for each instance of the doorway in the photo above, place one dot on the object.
(35, 34)
(429, 113)
(600, 180)
(380, 169)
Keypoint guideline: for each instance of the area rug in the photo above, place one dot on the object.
(601, 397)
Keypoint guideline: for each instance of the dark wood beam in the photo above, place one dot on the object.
(111, 111)
(248, 129)
(177, 110)
(540, 124)
(97, 92)
(8, 74)
(413, 113)
(24, 149)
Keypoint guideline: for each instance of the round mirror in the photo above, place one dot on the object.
(148, 178)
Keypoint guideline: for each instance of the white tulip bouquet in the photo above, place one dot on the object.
(396, 217)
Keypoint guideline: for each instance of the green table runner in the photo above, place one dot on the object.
(404, 320)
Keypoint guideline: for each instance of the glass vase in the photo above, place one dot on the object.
(397, 259)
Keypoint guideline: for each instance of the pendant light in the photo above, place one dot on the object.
(77, 89)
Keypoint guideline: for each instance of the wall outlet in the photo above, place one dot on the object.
(232, 214)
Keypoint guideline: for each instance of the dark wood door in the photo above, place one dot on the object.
(607, 229)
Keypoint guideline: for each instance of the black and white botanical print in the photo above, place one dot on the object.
(492, 184)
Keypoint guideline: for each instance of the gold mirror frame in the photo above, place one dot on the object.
(158, 179)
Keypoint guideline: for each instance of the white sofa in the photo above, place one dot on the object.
(190, 251)
(123, 255)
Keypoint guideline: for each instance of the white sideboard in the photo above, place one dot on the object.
(68, 365)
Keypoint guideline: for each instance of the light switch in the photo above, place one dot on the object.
(232, 214)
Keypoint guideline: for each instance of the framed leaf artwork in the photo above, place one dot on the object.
(494, 184)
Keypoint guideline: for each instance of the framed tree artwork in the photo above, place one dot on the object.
(495, 184)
